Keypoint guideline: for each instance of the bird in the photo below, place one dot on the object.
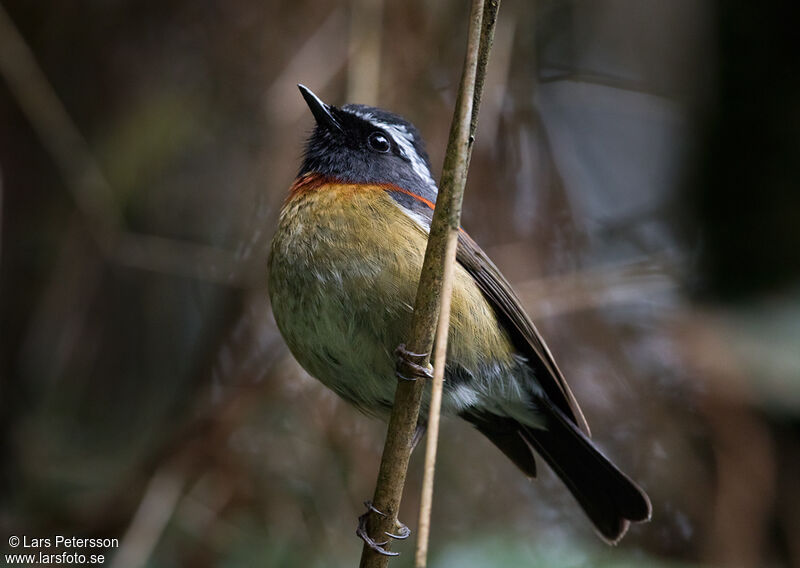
(343, 270)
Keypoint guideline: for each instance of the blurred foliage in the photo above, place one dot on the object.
(635, 165)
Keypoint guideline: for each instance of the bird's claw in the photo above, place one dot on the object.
(371, 508)
(407, 368)
(403, 531)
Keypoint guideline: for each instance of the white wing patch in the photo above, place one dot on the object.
(421, 221)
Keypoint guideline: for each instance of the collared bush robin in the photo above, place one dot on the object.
(343, 273)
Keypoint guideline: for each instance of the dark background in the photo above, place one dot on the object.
(635, 176)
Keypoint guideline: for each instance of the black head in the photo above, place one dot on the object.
(362, 144)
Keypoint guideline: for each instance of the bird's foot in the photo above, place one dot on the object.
(403, 532)
(407, 368)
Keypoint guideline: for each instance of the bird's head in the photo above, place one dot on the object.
(363, 144)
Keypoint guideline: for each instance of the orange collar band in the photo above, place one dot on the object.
(314, 181)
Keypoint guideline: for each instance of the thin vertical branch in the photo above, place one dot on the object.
(478, 68)
(431, 293)
(488, 23)
(431, 444)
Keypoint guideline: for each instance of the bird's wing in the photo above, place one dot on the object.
(506, 305)
(519, 326)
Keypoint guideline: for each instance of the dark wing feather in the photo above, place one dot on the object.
(519, 326)
(508, 308)
(505, 433)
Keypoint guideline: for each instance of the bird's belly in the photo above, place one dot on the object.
(344, 268)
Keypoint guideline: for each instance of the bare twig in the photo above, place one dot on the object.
(497, 82)
(154, 512)
(480, 53)
(432, 291)
(431, 444)
(556, 75)
(487, 25)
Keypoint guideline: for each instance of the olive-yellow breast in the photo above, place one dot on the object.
(343, 274)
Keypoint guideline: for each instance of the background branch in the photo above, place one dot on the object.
(93, 195)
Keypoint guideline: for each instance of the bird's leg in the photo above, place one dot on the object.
(407, 368)
(403, 532)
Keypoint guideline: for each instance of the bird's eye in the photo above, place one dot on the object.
(378, 142)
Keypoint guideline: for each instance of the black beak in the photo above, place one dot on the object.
(321, 111)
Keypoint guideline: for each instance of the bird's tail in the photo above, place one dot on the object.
(610, 499)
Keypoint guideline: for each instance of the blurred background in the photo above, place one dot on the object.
(635, 176)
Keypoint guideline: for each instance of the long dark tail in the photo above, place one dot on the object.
(610, 499)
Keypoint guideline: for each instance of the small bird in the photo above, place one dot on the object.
(343, 272)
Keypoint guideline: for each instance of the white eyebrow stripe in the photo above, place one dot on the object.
(405, 140)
